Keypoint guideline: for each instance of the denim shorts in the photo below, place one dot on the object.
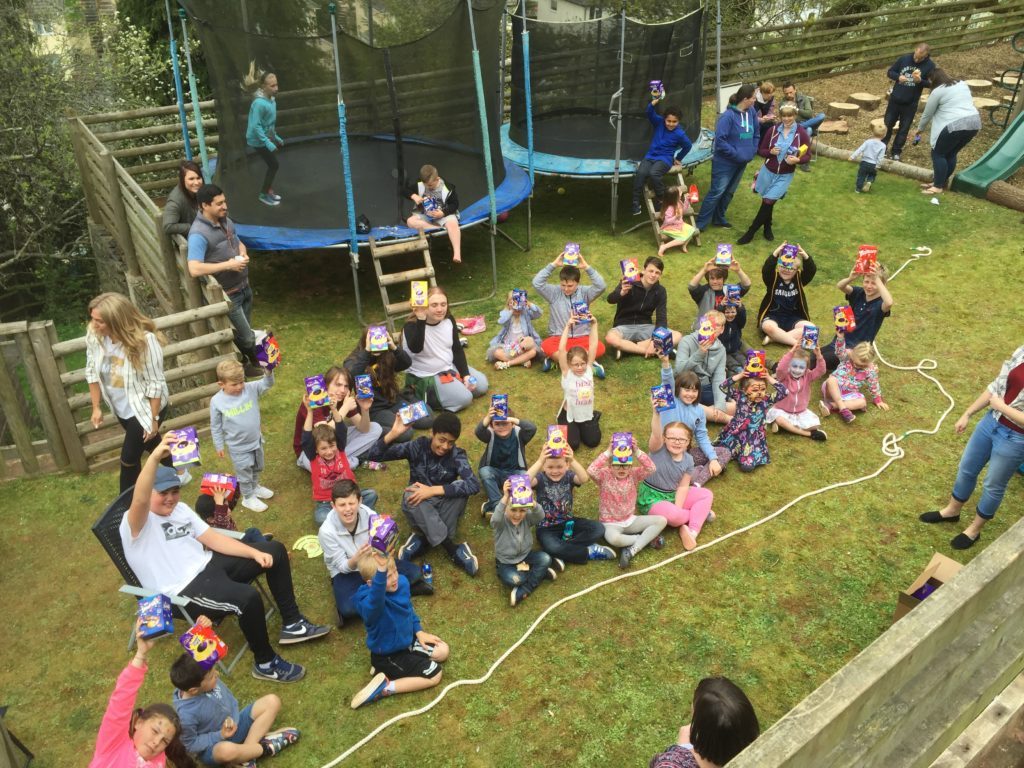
(244, 724)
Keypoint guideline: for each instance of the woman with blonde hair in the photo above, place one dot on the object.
(125, 367)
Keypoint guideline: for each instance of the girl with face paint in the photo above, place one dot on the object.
(791, 413)
(744, 435)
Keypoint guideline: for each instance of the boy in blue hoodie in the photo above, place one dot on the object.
(669, 138)
(403, 657)
(212, 725)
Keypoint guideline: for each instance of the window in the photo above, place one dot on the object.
(554, 5)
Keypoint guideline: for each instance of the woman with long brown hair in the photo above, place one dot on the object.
(125, 369)
(181, 207)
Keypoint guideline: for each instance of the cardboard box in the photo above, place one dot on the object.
(938, 571)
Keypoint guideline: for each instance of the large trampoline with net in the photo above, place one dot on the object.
(579, 91)
(358, 121)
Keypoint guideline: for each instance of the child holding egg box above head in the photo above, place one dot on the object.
(519, 566)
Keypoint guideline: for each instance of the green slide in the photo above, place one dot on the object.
(1001, 160)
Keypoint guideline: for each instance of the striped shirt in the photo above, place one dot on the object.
(140, 385)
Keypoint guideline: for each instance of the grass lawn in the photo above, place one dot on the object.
(605, 679)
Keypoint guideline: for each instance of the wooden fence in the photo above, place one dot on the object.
(46, 402)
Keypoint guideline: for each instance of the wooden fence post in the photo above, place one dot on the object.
(10, 402)
(39, 335)
(75, 127)
(172, 276)
(39, 395)
(124, 232)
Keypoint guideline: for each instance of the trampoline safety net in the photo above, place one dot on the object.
(574, 71)
(407, 105)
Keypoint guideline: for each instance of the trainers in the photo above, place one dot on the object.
(825, 408)
(896, 158)
(262, 492)
(774, 427)
(618, 355)
(558, 564)
(301, 631)
(412, 547)
(637, 210)
(253, 504)
(273, 195)
(279, 671)
(625, 555)
(185, 477)
(374, 690)
(711, 516)
(268, 200)
(546, 366)
(552, 574)
(484, 509)
(805, 168)
(600, 552)
(464, 557)
(275, 741)
(252, 371)
(819, 435)
(598, 370)
(658, 543)
(518, 595)
(847, 415)
(867, 186)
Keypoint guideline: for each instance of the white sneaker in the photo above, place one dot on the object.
(184, 477)
(262, 492)
(253, 504)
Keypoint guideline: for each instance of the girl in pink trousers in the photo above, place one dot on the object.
(668, 492)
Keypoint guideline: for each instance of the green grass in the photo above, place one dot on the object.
(607, 679)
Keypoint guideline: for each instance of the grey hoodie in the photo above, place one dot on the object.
(561, 305)
(709, 366)
(512, 543)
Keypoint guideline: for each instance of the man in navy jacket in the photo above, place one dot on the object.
(911, 74)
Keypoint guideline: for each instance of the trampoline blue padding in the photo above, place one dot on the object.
(593, 168)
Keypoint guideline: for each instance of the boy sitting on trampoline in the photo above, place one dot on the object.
(669, 138)
(437, 207)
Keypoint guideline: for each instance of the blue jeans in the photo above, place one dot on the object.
(367, 496)
(865, 172)
(573, 550)
(240, 316)
(725, 177)
(345, 585)
(811, 124)
(1002, 449)
(654, 170)
(539, 563)
(492, 479)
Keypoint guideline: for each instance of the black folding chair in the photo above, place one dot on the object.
(107, 530)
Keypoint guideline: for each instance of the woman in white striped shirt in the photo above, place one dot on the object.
(125, 367)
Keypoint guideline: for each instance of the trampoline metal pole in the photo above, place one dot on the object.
(528, 97)
(396, 122)
(178, 90)
(194, 92)
(346, 168)
(529, 129)
(718, 53)
(617, 117)
(486, 139)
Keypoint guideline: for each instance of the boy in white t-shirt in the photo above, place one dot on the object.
(173, 551)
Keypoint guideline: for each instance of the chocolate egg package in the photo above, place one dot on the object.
(705, 330)
(630, 270)
(867, 259)
(809, 339)
(214, 480)
(723, 255)
(185, 447)
(418, 293)
(662, 398)
(843, 315)
(383, 533)
(520, 302)
(413, 412)
(316, 389)
(499, 403)
(204, 646)
(364, 387)
(520, 491)
(268, 351)
(622, 448)
(789, 257)
(558, 440)
(377, 338)
(662, 339)
(756, 366)
(571, 255)
(156, 617)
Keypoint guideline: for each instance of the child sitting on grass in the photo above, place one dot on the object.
(708, 459)
(744, 435)
(842, 391)
(563, 536)
(235, 423)
(517, 343)
(520, 566)
(344, 538)
(675, 230)
(403, 657)
(617, 505)
(215, 511)
(212, 725)
(560, 299)
(669, 492)
(732, 335)
(577, 410)
(791, 412)
(504, 455)
(708, 296)
(324, 446)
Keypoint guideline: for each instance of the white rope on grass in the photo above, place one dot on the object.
(890, 448)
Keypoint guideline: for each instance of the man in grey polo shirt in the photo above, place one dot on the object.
(214, 249)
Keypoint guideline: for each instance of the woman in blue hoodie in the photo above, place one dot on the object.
(736, 139)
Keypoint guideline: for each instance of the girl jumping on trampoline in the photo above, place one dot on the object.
(675, 230)
(261, 131)
(437, 207)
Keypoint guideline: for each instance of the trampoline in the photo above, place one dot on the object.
(580, 89)
(358, 121)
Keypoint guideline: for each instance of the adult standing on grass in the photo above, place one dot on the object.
(124, 366)
(911, 74)
(954, 120)
(784, 146)
(736, 137)
(998, 441)
(182, 207)
(214, 249)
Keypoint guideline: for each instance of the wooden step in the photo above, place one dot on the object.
(423, 273)
(837, 109)
(398, 308)
(396, 249)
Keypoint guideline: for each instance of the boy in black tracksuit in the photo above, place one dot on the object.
(635, 303)
(911, 74)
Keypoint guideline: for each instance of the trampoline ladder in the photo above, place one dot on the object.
(390, 248)
(652, 215)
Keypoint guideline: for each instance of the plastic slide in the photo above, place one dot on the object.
(1001, 160)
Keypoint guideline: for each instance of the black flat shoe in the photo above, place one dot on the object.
(963, 541)
(935, 517)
